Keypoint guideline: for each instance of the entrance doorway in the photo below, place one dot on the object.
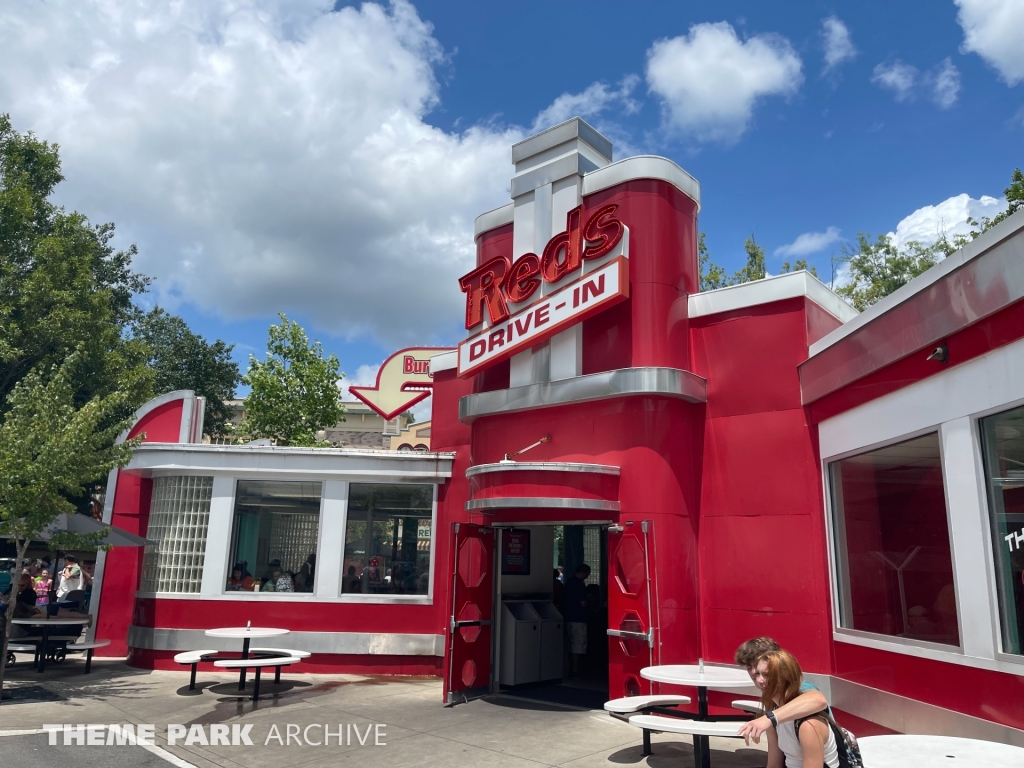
(551, 614)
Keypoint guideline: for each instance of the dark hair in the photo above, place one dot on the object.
(748, 653)
(238, 567)
(783, 677)
(584, 569)
(70, 559)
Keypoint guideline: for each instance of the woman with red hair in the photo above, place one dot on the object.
(804, 743)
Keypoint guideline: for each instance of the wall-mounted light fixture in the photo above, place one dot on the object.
(940, 353)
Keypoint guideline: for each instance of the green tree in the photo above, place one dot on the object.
(51, 450)
(878, 268)
(797, 266)
(63, 288)
(712, 276)
(181, 359)
(294, 392)
(1014, 202)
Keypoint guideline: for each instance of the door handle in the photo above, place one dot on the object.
(476, 623)
(647, 637)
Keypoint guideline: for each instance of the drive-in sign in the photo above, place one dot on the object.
(569, 305)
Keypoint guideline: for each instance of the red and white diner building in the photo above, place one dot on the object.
(756, 460)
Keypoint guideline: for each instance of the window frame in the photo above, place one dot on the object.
(354, 597)
(261, 595)
(1000, 653)
(838, 587)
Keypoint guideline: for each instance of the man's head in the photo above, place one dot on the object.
(25, 582)
(748, 654)
(70, 559)
(583, 572)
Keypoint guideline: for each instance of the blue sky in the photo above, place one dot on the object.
(279, 156)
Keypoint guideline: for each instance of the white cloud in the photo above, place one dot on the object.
(835, 38)
(595, 99)
(898, 77)
(993, 29)
(264, 157)
(710, 80)
(926, 225)
(945, 84)
(364, 376)
(809, 242)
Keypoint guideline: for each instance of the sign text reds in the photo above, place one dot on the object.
(498, 283)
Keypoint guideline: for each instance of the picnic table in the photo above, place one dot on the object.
(246, 634)
(898, 751)
(701, 677)
(47, 626)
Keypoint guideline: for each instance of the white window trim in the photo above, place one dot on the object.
(952, 402)
(427, 599)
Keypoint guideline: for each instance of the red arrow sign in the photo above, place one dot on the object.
(402, 381)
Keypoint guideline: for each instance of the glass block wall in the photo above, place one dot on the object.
(178, 519)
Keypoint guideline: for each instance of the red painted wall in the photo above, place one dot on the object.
(762, 539)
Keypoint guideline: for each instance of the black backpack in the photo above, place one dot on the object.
(846, 742)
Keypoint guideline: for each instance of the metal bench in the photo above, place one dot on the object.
(13, 648)
(282, 652)
(749, 705)
(193, 658)
(660, 724)
(258, 665)
(88, 648)
(628, 706)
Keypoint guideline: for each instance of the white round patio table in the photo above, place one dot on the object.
(937, 751)
(692, 675)
(246, 634)
(40, 660)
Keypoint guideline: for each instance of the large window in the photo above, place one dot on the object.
(276, 527)
(179, 513)
(387, 539)
(892, 543)
(1003, 435)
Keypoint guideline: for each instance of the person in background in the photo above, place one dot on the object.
(352, 583)
(285, 582)
(240, 579)
(273, 565)
(24, 593)
(270, 582)
(574, 611)
(304, 578)
(804, 743)
(88, 574)
(42, 585)
(809, 700)
(70, 577)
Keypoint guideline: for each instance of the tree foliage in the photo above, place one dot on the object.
(62, 285)
(181, 359)
(878, 268)
(51, 449)
(294, 391)
(713, 276)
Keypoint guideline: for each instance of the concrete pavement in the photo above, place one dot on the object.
(395, 722)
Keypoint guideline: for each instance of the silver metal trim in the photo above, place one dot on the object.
(539, 502)
(624, 382)
(908, 715)
(541, 466)
(357, 643)
(642, 167)
(574, 128)
(574, 164)
(545, 523)
(499, 217)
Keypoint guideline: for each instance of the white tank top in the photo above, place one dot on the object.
(790, 746)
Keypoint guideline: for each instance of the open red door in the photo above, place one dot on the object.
(468, 661)
(632, 609)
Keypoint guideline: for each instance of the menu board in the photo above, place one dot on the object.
(515, 553)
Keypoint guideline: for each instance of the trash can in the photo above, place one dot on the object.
(520, 643)
(551, 638)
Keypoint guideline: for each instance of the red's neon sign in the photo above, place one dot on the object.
(498, 282)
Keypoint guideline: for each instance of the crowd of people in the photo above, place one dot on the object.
(37, 595)
(275, 579)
